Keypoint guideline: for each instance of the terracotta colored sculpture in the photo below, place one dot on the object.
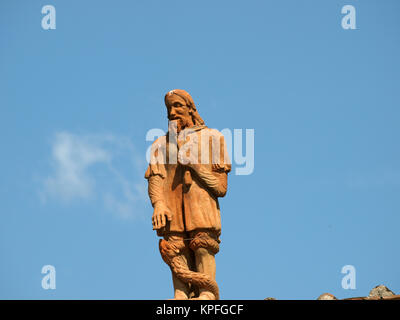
(186, 175)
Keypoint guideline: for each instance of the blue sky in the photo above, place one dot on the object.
(76, 104)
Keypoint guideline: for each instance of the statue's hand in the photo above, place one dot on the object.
(160, 216)
(190, 160)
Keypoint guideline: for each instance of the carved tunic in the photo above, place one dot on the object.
(193, 205)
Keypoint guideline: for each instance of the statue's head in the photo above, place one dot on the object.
(181, 108)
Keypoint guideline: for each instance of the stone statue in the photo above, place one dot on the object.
(187, 173)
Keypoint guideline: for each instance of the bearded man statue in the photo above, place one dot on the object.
(187, 173)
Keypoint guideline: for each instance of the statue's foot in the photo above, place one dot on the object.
(205, 295)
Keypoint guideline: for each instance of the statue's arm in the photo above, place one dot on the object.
(216, 182)
(161, 212)
(155, 173)
(214, 177)
(155, 190)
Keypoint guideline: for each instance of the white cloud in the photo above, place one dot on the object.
(72, 155)
(96, 167)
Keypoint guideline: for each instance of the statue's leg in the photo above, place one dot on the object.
(205, 245)
(181, 289)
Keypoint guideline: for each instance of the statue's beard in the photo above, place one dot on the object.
(175, 126)
(181, 124)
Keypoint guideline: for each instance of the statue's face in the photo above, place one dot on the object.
(179, 111)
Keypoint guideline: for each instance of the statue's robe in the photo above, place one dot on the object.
(194, 204)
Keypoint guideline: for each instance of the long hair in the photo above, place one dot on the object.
(197, 120)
